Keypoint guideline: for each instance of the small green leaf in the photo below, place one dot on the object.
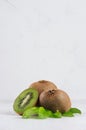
(36, 112)
(42, 114)
(75, 110)
(57, 114)
(31, 113)
(68, 114)
(49, 113)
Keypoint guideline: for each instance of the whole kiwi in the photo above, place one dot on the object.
(55, 100)
(43, 85)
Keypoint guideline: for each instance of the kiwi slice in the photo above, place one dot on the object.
(55, 100)
(26, 99)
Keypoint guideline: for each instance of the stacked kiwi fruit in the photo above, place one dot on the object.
(46, 96)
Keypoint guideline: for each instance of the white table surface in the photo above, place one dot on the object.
(9, 120)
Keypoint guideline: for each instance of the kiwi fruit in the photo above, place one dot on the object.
(43, 85)
(26, 99)
(55, 100)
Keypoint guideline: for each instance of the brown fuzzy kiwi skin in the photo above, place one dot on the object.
(55, 100)
(43, 85)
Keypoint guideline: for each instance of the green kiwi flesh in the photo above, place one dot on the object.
(26, 99)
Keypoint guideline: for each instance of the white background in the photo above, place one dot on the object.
(42, 39)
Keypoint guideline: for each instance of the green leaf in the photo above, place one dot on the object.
(36, 112)
(68, 114)
(42, 114)
(31, 113)
(71, 112)
(75, 110)
(57, 114)
(49, 113)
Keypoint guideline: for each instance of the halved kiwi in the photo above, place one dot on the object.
(28, 98)
(43, 85)
(55, 100)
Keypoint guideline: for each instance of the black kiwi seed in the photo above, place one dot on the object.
(28, 98)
